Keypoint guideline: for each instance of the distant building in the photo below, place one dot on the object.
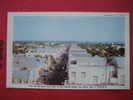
(42, 52)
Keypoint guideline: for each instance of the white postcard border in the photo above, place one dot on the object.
(10, 40)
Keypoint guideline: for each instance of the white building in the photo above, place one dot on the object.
(42, 52)
(84, 69)
(25, 69)
(92, 74)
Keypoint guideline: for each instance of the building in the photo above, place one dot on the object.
(42, 52)
(87, 70)
(25, 69)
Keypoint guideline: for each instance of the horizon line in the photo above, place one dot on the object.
(68, 41)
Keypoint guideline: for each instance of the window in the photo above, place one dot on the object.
(74, 75)
(83, 75)
(95, 79)
(73, 62)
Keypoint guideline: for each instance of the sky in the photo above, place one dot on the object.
(69, 28)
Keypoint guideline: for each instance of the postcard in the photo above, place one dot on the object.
(68, 50)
